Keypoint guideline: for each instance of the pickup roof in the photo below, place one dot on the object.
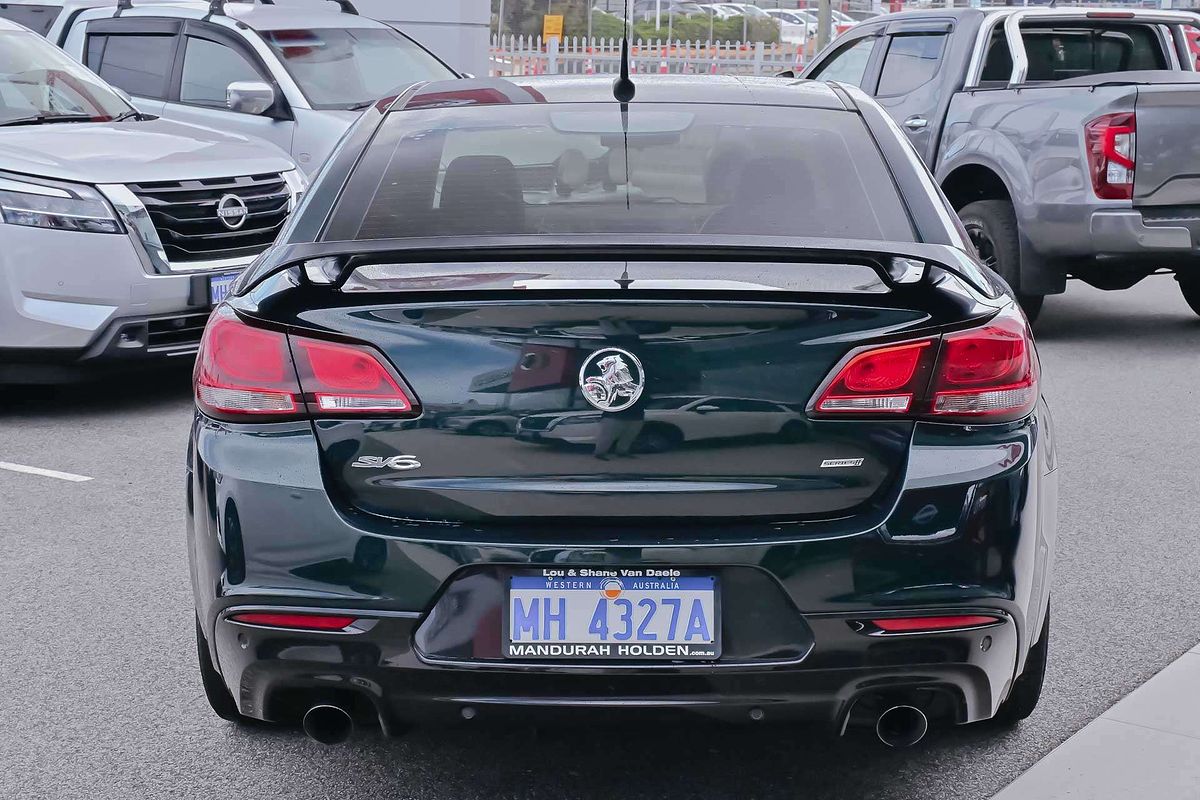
(1064, 138)
(297, 75)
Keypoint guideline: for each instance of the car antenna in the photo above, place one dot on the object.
(623, 88)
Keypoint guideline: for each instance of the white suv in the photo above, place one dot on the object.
(296, 76)
(118, 232)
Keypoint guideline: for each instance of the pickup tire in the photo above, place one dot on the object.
(1190, 287)
(992, 226)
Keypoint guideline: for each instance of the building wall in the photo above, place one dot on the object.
(457, 30)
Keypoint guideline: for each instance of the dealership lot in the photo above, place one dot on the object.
(102, 698)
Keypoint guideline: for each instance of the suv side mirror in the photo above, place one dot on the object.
(249, 97)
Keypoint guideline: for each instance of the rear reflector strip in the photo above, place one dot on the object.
(928, 624)
(310, 622)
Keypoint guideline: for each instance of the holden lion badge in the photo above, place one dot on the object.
(612, 379)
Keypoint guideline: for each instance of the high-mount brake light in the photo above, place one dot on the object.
(1111, 143)
(879, 380)
(346, 378)
(242, 370)
(986, 374)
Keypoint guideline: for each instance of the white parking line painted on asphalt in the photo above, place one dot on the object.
(45, 473)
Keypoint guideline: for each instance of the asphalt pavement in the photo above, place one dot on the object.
(100, 698)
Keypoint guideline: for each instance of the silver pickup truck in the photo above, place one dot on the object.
(1066, 139)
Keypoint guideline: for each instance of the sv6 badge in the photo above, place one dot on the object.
(391, 462)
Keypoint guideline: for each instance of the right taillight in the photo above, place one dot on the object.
(1111, 142)
(984, 374)
(989, 372)
(248, 373)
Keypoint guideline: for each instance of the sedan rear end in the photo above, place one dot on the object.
(812, 476)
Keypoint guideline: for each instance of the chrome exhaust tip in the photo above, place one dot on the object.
(902, 726)
(328, 724)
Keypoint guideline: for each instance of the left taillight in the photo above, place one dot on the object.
(245, 372)
(1111, 143)
(984, 374)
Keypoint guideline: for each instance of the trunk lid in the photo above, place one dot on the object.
(719, 433)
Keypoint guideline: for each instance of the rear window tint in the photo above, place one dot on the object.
(574, 169)
(1074, 50)
(38, 19)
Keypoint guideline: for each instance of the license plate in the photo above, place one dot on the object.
(219, 286)
(622, 614)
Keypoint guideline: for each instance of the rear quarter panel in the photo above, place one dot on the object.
(1033, 139)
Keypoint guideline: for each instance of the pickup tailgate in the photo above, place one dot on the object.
(1168, 148)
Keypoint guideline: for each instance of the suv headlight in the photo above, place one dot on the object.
(61, 206)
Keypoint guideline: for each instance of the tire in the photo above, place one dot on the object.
(1190, 287)
(992, 227)
(1027, 689)
(215, 692)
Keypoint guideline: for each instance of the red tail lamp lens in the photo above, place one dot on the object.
(345, 378)
(987, 372)
(882, 379)
(925, 624)
(309, 622)
(244, 370)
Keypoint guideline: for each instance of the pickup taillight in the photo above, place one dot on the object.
(1111, 142)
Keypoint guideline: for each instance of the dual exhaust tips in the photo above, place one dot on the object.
(898, 726)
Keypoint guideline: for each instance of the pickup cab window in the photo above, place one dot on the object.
(849, 64)
(1073, 50)
(138, 63)
(911, 61)
(208, 68)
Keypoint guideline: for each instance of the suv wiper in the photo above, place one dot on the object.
(130, 114)
(361, 106)
(44, 119)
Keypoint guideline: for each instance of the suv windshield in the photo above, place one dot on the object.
(348, 68)
(39, 82)
(567, 169)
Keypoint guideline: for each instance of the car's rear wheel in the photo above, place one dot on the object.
(1027, 689)
(1190, 287)
(992, 228)
(214, 686)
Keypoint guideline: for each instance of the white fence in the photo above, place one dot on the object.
(520, 55)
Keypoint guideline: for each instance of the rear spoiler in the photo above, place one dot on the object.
(896, 263)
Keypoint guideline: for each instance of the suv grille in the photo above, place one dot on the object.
(185, 215)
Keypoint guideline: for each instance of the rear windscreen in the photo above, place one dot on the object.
(1075, 50)
(588, 169)
(37, 18)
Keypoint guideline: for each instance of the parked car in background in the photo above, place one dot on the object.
(801, 19)
(118, 231)
(297, 76)
(746, 10)
(1036, 137)
(718, 11)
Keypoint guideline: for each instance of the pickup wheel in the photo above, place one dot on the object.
(992, 226)
(1190, 286)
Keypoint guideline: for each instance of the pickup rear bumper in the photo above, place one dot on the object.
(1162, 232)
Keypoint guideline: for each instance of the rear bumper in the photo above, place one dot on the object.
(976, 537)
(1159, 233)
(277, 675)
